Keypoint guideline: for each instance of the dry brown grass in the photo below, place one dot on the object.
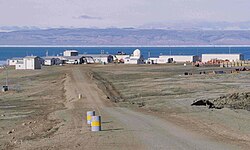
(25, 108)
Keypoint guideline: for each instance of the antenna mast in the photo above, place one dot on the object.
(149, 54)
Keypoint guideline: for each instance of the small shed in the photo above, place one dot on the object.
(152, 60)
(29, 62)
(49, 61)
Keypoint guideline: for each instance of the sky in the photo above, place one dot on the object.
(119, 13)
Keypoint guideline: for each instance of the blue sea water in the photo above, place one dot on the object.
(10, 52)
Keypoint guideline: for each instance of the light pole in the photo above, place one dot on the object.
(6, 82)
(5, 87)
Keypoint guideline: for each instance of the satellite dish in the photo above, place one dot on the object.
(137, 53)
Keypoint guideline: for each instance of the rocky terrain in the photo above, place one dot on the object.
(234, 101)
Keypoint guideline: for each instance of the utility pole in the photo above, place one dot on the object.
(170, 50)
(102, 51)
(5, 87)
(6, 82)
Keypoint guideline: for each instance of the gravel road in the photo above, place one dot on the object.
(150, 131)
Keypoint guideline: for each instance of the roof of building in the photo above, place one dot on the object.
(122, 55)
(31, 57)
(51, 57)
(71, 50)
(222, 54)
(95, 55)
(176, 55)
(16, 58)
(72, 57)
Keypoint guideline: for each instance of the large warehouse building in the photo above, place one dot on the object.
(229, 57)
(163, 59)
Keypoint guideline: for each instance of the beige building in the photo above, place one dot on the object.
(229, 57)
(179, 58)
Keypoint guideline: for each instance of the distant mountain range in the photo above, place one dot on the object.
(125, 36)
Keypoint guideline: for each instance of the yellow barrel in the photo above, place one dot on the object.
(89, 116)
(96, 123)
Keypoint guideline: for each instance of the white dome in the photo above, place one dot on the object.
(137, 53)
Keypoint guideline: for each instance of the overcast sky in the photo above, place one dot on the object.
(119, 13)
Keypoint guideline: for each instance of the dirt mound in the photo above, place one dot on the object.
(233, 101)
(203, 103)
(107, 87)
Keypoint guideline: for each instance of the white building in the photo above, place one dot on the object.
(229, 57)
(152, 60)
(70, 53)
(74, 59)
(155, 60)
(29, 62)
(177, 58)
(163, 59)
(49, 61)
(20, 65)
(14, 61)
(98, 58)
(121, 57)
(135, 58)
